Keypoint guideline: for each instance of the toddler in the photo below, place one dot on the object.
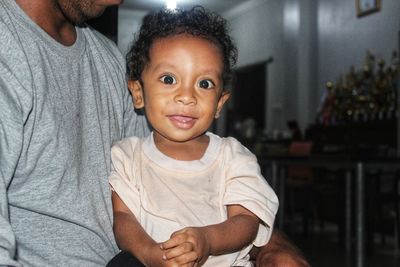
(184, 196)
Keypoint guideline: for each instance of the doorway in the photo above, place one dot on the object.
(247, 106)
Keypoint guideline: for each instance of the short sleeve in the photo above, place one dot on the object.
(245, 186)
(123, 179)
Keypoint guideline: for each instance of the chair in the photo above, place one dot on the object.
(383, 207)
(299, 185)
(315, 193)
(296, 174)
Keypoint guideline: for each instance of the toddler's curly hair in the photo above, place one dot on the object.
(197, 22)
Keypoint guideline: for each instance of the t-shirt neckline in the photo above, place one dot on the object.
(73, 51)
(159, 158)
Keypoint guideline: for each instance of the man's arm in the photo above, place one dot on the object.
(7, 238)
(11, 131)
(279, 252)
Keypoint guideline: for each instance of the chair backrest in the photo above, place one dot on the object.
(296, 174)
(300, 149)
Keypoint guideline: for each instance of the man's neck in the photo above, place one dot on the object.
(48, 16)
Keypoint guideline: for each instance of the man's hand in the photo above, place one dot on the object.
(187, 245)
(279, 252)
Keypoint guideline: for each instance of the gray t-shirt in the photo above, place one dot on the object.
(61, 109)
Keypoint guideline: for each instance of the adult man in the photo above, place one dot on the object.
(63, 102)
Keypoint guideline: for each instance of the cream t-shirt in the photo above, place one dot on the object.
(167, 195)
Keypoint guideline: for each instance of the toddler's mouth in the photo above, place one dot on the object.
(182, 121)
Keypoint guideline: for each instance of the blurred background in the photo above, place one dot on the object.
(315, 97)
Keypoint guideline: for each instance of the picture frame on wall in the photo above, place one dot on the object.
(365, 7)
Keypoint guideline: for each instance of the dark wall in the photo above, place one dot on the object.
(249, 93)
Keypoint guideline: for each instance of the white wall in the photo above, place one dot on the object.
(257, 30)
(307, 63)
(344, 38)
(311, 42)
(129, 22)
(286, 31)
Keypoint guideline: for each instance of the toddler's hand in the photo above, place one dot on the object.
(155, 258)
(187, 245)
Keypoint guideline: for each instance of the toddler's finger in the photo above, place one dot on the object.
(187, 259)
(178, 251)
(174, 241)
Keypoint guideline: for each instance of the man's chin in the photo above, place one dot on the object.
(83, 18)
(110, 2)
(117, 2)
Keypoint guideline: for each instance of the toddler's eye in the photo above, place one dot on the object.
(168, 79)
(206, 84)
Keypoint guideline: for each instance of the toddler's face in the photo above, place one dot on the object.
(182, 87)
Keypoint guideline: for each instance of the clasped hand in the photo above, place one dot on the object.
(187, 247)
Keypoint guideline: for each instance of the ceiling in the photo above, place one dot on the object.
(214, 5)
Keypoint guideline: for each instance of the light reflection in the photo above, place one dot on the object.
(170, 4)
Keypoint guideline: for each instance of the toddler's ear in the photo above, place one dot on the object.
(223, 98)
(137, 93)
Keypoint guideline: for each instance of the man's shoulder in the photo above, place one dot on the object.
(14, 66)
(8, 27)
(100, 41)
